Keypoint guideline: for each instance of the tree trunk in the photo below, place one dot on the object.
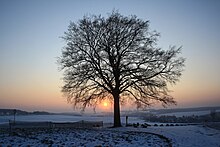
(117, 119)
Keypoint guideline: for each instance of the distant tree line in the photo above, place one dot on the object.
(6, 112)
(212, 117)
(163, 111)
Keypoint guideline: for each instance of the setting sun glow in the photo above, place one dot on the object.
(105, 104)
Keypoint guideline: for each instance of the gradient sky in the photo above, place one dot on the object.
(29, 44)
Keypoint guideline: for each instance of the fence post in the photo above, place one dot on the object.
(126, 121)
(9, 122)
(14, 112)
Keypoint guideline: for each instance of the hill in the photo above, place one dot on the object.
(4, 112)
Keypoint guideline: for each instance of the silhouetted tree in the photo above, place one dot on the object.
(117, 58)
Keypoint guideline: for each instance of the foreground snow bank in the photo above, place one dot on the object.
(81, 137)
(188, 136)
(185, 136)
(178, 136)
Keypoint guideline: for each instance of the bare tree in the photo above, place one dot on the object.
(117, 58)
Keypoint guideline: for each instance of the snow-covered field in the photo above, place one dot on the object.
(107, 120)
(82, 137)
(178, 136)
(66, 118)
(186, 136)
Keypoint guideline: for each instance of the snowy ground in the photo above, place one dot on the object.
(177, 136)
(186, 136)
(81, 137)
(66, 118)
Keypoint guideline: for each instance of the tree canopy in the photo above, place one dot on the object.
(117, 58)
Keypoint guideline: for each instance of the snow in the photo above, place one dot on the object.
(186, 136)
(81, 137)
(66, 118)
(178, 136)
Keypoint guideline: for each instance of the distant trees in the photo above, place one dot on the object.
(182, 119)
(117, 58)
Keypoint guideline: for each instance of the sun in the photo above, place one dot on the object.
(105, 104)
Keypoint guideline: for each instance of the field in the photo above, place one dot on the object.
(81, 137)
(67, 118)
(177, 136)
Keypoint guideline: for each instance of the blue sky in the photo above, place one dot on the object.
(30, 41)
